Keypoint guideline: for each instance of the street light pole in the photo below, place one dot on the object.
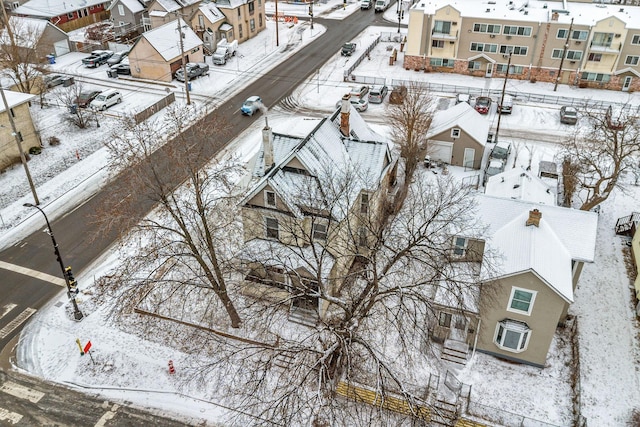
(77, 314)
(400, 13)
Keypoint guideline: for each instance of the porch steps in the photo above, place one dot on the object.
(624, 225)
(455, 351)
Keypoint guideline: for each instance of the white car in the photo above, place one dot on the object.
(106, 99)
(360, 104)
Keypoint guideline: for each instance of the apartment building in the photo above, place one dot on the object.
(577, 43)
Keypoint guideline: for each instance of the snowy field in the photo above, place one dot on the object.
(75, 169)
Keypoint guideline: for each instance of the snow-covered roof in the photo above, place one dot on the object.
(165, 39)
(133, 5)
(533, 248)
(15, 98)
(229, 4)
(211, 12)
(53, 8)
(328, 157)
(576, 229)
(537, 11)
(26, 31)
(173, 5)
(518, 183)
(462, 116)
(275, 254)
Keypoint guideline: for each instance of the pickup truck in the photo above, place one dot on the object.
(97, 58)
(348, 49)
(194, 69)
(224, 51)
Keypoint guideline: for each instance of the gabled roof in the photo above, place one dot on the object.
(15, 98)
(626, 70)
(461, 116)
(537, 249)
(133, 5)
(328, 157)
(174, 5)
(211, 12)
(165, 39)
(229, 4)
(26, 31)
(517, 183)
(575, 229)
(53, 8)
(483, 56)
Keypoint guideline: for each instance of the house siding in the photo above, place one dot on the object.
(542, 321)
(459, 145)
(9, 153)
(147, 63)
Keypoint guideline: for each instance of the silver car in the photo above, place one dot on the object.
(378, 93)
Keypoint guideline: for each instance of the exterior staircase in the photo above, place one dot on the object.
(627, 225)
(455, 351)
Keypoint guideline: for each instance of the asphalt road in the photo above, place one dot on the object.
(23, 294)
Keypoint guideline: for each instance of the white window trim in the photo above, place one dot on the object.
(533, 300)
(627, 62)
(266, 198)
(514, 325)
(455, 133)
(314, 232)
(455, 246)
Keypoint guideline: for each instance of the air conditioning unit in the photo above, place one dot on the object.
(452, 42)
(618, 35)
(508, 37)
(505, 55)
(572, 62)
(454, 23)
(578, 42)
(493, 36)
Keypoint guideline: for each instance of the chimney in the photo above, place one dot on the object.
(555, 16)
(534, 218)
(267, 145)
(344, 115)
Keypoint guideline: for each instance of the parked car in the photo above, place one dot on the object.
(85, 98)
(117, 58)
(463, 97)
(53, 80)
(506, 105)
(378, 93)
(568, 115)
(106, 99)
(122, 68)
(348, 49)
(97, 58)
(501, 151)
(483, 104)
(398, 94)
(194, 70)
(251, 105)
(359, 91)
(494, 167)
(361, 104)
(366, 4)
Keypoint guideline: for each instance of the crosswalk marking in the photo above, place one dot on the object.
(9, 416)
(22, 317)
(22, 392)
(7, 308)
(33, 273)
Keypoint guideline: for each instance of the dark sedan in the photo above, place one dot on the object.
(85, 98)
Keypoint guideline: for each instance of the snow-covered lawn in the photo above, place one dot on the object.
(127, 359)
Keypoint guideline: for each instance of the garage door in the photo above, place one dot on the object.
(440, 151)
(61, 47)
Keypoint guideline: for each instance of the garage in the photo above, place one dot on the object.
(440, 151)
(61, 47)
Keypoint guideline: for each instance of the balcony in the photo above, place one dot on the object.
(444, 36)
(604, 48)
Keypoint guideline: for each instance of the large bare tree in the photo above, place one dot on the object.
(373, 319)
(605, 145)
(22, 59)
(181, 249)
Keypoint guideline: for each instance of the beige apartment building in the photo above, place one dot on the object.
(577, 43)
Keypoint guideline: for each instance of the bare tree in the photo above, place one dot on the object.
(372, 319)
(410, 121)
(602, 149)
(181, 248)
(80, 117)
(22, 58)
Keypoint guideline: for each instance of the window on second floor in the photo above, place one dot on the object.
(460, 246)
(319, 231)
(273, 230)
(444, 319)
(252, 7)
(511, 30)
(635, 39)
(240, 30)
(121, 10)
(521, 300)
(631, 60)
(270, 198)
(572, 55)
(579, 35)
(364, 203)
(602, 39)
(260, 20)
(562, 33)
(442, 27)
(362, 237)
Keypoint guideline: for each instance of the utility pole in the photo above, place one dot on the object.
(564, 55)
(277, 21)
(504, 87)
(311, 12)
(400, 12)
(18, 138)
(184, 63)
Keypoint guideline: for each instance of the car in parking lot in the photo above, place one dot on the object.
(398, 94)
(494, 167)
(501, 151)
(122, 68)
(97, 58)
(463, 97)
(106, 99)
(378, 93)
(53, 80)
(505, 106)
(85, 97)
(568, 115)
(360, 104)
(348, 49)
(251, 105)
(194, 70)
(117, 57)
(483, 104)
(359, 91)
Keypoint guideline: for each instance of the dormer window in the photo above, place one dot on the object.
(270, 198)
